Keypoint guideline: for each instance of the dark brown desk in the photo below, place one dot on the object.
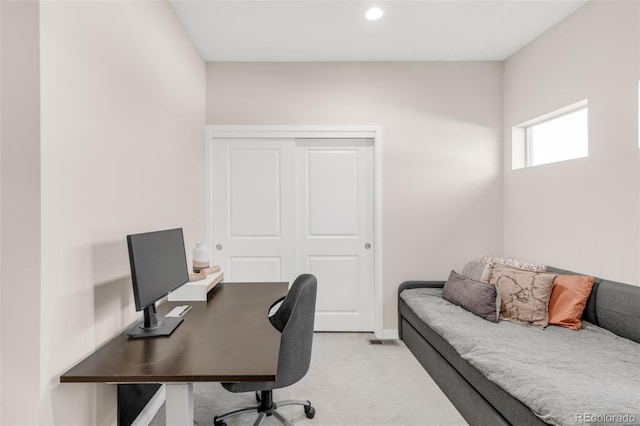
(225, 339)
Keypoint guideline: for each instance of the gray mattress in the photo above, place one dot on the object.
(559, 374)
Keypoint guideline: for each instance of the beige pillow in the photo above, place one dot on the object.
(525, 295)
(477, 271)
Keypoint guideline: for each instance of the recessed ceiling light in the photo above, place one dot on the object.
(374, 13)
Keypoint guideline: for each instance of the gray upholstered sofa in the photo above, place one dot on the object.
(603, 380)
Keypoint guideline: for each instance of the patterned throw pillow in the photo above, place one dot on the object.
(514, 263)
(525, 295)
(477, 271)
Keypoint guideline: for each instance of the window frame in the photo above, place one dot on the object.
(562, 112)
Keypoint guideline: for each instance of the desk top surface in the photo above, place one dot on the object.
(227, 338)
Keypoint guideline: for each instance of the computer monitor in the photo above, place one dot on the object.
(158, 266)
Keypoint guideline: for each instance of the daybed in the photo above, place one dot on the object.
(505, 373)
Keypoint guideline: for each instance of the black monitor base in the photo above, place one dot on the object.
(165, 327)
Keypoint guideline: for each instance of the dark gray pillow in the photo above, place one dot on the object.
(476, 297)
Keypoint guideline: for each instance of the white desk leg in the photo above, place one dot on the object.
(179, 407)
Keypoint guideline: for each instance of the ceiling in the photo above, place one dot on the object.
(321, 30)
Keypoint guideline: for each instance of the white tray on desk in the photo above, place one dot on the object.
(196, 291)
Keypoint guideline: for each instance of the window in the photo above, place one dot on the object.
(561, 135)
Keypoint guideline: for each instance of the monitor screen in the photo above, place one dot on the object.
(158, 265)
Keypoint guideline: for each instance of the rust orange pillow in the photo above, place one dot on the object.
(568, 298)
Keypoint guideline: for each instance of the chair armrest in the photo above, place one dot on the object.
(275, 306)
(276, 302)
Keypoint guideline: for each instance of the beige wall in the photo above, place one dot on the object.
(441, 127)
(580, 214)
(20, 215)
(123, 114)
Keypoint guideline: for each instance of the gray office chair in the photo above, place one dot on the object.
(294, 319)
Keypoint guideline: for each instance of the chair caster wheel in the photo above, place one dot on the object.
(309, 411)
(219, 422)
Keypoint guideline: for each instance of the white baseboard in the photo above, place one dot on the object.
(389, 334)
(151, 409)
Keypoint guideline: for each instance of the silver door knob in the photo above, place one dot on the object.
(367, 246)
(218, 246)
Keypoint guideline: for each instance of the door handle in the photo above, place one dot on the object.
(218, 246)
(367, 246)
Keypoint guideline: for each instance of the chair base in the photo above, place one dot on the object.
(267, 408)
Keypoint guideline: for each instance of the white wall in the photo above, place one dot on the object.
(441, 130)
(580, 214)
(20, 215)
(123, 116)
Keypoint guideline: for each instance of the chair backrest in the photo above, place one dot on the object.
(295, 319)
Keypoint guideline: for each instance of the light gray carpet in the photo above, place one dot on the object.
(350, 383)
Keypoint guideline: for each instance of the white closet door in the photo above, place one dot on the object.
(282, 207)
(254, 209)
(335, 229)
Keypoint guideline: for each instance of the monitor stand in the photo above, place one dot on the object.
(153, 326)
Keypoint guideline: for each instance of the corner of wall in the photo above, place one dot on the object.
(19, 211)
